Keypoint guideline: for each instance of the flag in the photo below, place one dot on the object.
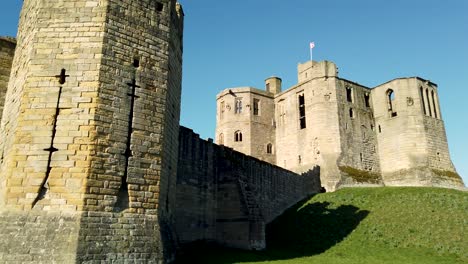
(312, 45)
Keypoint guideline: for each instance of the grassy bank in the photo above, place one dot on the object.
(363, 225)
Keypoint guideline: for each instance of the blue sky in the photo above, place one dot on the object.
(240, 43)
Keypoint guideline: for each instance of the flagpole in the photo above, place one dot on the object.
(311, 46)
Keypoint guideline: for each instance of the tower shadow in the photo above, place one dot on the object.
(311, 229)
(303, 230)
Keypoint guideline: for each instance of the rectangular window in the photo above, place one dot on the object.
(367, 99)
(281, 114)
(349, 94)
(256, 106)
(302, 114)
(238, 106)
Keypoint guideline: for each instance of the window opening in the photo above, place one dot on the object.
(367, 100)
(428, 102)
(351, 113)
(221, 110)
(256, 103)
(349, 94)
(422, 100)
(282, 114)
(302, 114)
(269, 148)
(380, 129)
(221, 139)
(238, 136)
(159, 7)
(299, 159)
(136, 63)
(434, 104)
(238, 106)
(390, 101)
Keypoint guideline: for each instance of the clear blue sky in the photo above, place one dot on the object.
(240, 43)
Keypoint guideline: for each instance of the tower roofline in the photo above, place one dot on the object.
(243, 89)
(407, 78)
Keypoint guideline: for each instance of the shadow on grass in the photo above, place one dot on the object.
(301, 231)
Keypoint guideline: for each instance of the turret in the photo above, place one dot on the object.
(273, 85)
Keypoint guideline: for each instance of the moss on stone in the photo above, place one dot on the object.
(447, 174)
(361, 176)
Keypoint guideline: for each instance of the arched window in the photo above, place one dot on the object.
(269, 148)
(221, 139)
(238, 136)
(390, 102)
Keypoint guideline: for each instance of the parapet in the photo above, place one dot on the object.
(316, 69)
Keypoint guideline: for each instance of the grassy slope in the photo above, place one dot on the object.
(364, 225)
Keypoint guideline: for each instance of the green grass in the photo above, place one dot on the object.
(362, 225)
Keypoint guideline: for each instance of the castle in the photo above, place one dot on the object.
(391, 135)
(95, 168)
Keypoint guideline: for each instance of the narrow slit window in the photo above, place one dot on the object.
(434, 104)
(428, 102)
(351, 113)
(421, 91)
(302, 114)
(256, 107)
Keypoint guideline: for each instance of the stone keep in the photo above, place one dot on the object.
(90, 132)
(390, 135)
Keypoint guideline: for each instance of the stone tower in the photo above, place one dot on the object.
(90, 132)
(246, 120)
(413, 146)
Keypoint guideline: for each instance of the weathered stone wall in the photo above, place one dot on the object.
(356, 135)
(227, 197)
(99, 142)
(7, 50)
(359, 162)
(256, 123)
(413, 145)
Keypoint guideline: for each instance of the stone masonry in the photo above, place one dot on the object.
(7, 50)
(227, 197)
(90, 132)
(390, 135)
